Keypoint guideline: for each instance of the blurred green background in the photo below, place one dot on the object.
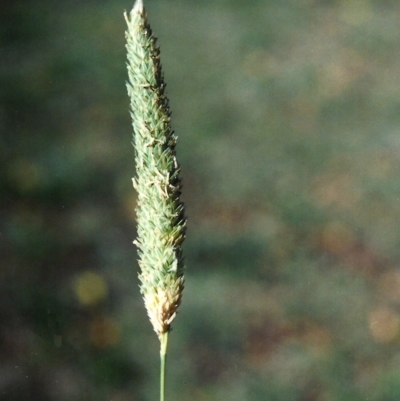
(288, 118)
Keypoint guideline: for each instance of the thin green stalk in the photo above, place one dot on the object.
(163, 360)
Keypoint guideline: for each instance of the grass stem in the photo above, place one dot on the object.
(163, 357)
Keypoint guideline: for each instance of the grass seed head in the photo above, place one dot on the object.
(160, 213)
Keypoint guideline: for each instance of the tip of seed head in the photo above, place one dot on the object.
(138, 6)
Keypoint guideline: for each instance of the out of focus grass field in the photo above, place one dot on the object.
(288, 121)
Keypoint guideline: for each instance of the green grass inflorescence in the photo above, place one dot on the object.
(160, 213)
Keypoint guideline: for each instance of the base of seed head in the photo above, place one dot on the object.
(161, 310)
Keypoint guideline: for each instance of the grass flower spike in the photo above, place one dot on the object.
(160, 213)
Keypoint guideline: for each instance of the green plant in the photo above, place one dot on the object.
(160, 213)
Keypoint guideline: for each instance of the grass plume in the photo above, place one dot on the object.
(161, 222)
